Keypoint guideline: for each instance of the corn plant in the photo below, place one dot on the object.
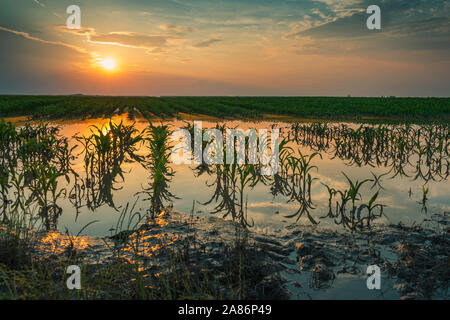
(352, 217)
(105, 150)
(158, 164)
(45, 191)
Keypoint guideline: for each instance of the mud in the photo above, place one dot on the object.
(296, 262)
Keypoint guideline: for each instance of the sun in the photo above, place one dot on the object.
(109, 64)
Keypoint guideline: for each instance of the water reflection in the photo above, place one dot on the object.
(111, 163)
(161, 174)
(33, 160)
(353, 217)
(105, 150)
(417, 152)
(141, 239)
(423, 150)
(55, 243)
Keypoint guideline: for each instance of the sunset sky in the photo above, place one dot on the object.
(228, 47)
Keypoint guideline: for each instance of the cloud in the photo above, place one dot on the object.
(406, 25)
(39, 3)
(130, 39)
(206, 43)
(83, 31)
(339, 4)
(42, 5)
(349, 26)
(145, 13)
(438, 26)
(237, 22)
(57, 43)
(175, 28)
(355, 26)
(151, 43)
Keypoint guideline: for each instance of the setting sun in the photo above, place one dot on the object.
(109, 64)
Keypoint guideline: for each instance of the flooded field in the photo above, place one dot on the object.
(345, 196)
(403, 176)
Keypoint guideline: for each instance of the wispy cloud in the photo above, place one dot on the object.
(206, 43)
(152, 43)
(57, 43)
(43, 5)
(410, 24)
(130, 39)
(40, 3)
(175, 28)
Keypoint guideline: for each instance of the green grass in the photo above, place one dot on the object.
(231, 107)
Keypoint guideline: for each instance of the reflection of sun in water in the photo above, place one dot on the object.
(109, 64)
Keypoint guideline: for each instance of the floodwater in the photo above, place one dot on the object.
(408, 166)
(400, 190)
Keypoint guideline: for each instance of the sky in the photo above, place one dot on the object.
(226, 47)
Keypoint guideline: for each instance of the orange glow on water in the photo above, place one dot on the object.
(55, 243)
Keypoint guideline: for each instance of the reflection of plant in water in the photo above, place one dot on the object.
(294, 180)
(105, 150)
(353, 218)
(331, 193)
(4, 187)
(223, 193)
(44, 187)
(32, 160)
(125, 227)
(425, 190)
(231, 181)
(158, 164)
(322, 277)
(424, 149)
(241, 177)
(279, 184)
(8, 148)
(377, 181)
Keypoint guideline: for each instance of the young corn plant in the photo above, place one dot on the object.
(299, 175)
(45, 191)
(352, 217)
(231, 182)
(158, 164)
(105, 150)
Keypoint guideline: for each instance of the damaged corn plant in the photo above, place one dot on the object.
(158, 165)
(105, 149)
(348, 209)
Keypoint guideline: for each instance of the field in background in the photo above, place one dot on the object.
(338, 108)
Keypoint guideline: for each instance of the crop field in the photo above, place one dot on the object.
(240, 152)
(105, 195)
(338, 108)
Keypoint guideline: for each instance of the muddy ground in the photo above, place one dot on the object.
(297, 262)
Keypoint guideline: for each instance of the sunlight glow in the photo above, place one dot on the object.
(109, 64)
